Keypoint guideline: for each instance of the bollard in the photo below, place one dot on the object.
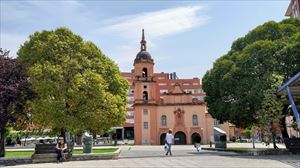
(116, 142)
(210, 144)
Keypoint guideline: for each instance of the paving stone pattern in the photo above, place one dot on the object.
(183, 156)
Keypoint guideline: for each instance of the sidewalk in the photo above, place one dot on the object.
(122, 143)
(249, 145)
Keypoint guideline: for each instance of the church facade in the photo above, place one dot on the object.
(161, 101)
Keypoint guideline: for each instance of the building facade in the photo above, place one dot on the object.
(158, 102)
(293, 10)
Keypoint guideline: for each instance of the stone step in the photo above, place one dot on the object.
(45, 160)
(41, 156)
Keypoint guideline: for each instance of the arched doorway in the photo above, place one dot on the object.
(162, 138)
(194, 135)
(180, 138)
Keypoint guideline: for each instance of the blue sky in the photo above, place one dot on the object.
(182, 36)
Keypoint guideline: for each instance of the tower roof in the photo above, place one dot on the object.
(143, 55)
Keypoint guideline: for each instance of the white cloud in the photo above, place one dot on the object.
(158, 23)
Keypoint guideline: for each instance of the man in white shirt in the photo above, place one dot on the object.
(169, 141)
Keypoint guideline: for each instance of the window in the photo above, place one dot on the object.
(130, 98)
(163, 91)
(145, 111)
(145, 86)
(129, 105)
(295, 12)
(188, 90)
(145, 125)
(216, 122)
(295, 9)
(201, 98)
(130, 91)
(130, 121)
(196, 91)
(130, 113)
(145, 95)
(195, 119)
(164, 120)
(145, 72)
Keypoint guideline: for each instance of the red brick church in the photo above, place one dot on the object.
(161, 101)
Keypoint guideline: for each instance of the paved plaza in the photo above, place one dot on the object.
(183, 156)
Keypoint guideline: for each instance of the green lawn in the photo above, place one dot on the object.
(9, 154)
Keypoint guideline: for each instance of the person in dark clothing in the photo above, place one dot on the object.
(197, 141)
(61, 147)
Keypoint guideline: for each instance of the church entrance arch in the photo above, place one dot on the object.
(162, 138)
(180, 138)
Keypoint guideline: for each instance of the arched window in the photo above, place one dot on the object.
(164, 120)
(195, 119)
(145, 72)
(145, 95)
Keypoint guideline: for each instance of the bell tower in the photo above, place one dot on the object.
(143, 63)
(144, 76)
(144, 96)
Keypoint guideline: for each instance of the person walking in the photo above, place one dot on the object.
(197, 144)
(169, 141)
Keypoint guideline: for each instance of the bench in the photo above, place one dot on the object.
(47, 153)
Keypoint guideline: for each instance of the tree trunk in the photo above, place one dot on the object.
(253, 143)
(63, 133)
(2, 142)
(25, 141)
(78, 139)
(273, 136)
(283, 123)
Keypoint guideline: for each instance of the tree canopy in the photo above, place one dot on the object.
(14, 91)
(240, 81)
(77, 86)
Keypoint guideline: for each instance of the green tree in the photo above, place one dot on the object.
(14, 92)
(248, 132)
(271, 108)
(77, 86)
(239, 84)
